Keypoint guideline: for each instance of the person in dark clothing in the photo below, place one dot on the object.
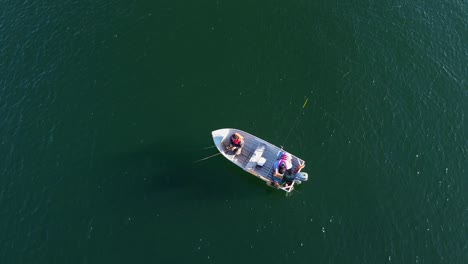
(283, 173)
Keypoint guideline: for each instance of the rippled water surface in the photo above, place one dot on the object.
(104, 107)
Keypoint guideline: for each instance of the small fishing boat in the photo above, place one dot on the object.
(257, 157)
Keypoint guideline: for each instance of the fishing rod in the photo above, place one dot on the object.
(298, 119)
(207, 157)
(213, 154)
(209, 147)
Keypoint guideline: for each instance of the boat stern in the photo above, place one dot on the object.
(301, 177)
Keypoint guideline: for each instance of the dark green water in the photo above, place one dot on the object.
(104, 107)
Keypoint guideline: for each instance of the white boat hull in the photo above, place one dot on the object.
(257, 157)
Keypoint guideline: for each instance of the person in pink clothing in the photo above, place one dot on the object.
(282, 166)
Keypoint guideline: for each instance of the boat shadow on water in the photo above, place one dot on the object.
(168, 170)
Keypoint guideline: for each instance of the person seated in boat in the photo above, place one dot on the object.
(234, 144)
(283, 173)
(278, 174)
(283, 164)
(288, 178)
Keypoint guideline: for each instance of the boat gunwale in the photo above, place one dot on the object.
(224, 132)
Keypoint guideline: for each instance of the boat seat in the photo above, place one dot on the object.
(256, 159)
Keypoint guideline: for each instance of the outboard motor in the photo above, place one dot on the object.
(300, 177)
